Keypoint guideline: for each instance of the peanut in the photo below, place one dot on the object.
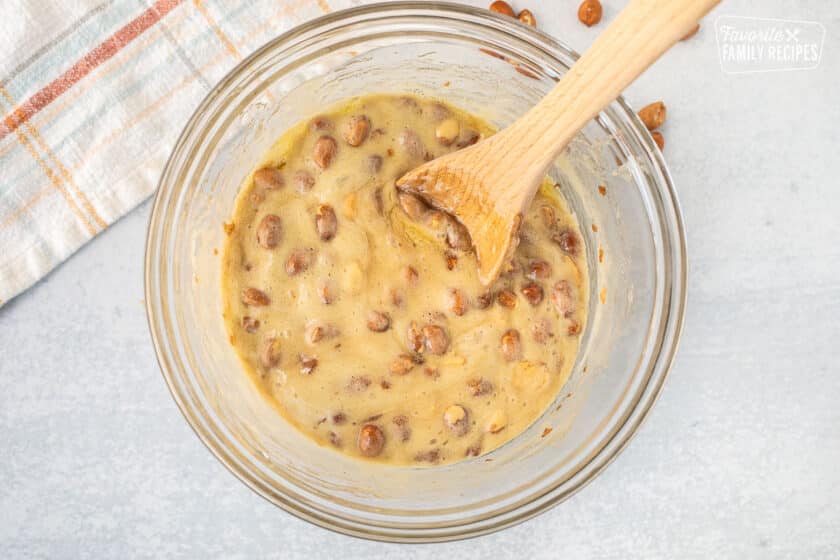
(394, 296)
(511, 345)
(307, 363)
(378, 321)
(320, 123)
(269, 179)
(412, 205)
(457, 302)
(479, 387)
(378, 202)
(563, 298)
(401, 427)
(538, 270)
(468, 137)
(324, 151)
(526, 17)
(568, 241)
(501, 7)
(270, 352)
(270, 231)
(335, 439)
(411, 144)
(435, 339)
(254, 297)
(542, 330)
(549, 217)
(439, 110)
(414, 337)
(298, 261)
(456, 419)
(451, 260)
(659, 139)
(326, 292)
(457, 236)
(653, 115)
(358, 383)
(403, 364)
(371, 440)
(484, 300)
(589, 12)
(315, 332)
(303, 180)
(498, 421)
(529, 378)
(250, 325)
(409, 103)
(325, 222)
(356, 130)
(373, 163)
(533, 292)
(506, 298)
(447, 131)
(428, 456)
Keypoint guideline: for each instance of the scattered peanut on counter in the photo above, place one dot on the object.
(589, 12)
(525, 16)
(653, 116)
(502, 7)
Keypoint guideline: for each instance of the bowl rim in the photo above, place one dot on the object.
(673, 313)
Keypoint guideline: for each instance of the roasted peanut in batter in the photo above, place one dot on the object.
(358, 311)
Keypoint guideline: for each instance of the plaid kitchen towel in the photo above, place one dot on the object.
(93, 94)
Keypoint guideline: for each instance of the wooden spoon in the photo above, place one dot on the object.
(489, 186)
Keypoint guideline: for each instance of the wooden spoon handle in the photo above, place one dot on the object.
(634, 40)
(491, 185)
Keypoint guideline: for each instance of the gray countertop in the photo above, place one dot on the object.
(739, 459)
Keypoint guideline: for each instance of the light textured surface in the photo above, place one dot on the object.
(739, 459)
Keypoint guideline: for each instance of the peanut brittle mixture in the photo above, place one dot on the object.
(357, 309)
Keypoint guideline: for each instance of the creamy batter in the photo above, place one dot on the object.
(357, 309)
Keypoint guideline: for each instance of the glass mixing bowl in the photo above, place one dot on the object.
(496, 68)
